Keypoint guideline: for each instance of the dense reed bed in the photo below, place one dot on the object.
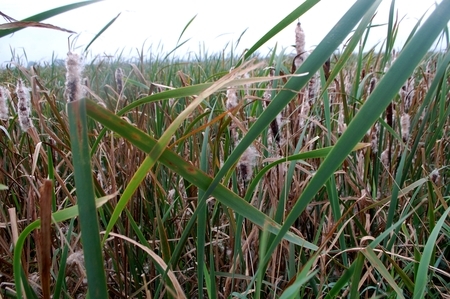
(303, 174)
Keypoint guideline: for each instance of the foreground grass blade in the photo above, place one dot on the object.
(48, 14)
(377, 264)
(90, 232)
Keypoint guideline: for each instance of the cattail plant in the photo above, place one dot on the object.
(407, 94)
(299, 39)
(245, 166)
(385, 158)
(88, 218)
(275, 125)
(313, 88)
(4, 96)
(341, 123)
(232, 99)
(74, 89)
(119, 80)
(405, 122)
(23, 106)
(299, 47)
(372, 84)
(231, 103)
(435, 177)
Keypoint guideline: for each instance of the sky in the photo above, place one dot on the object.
(154, 27)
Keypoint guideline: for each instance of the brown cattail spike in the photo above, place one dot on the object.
(372, 84)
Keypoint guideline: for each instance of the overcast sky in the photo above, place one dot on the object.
(156, 26)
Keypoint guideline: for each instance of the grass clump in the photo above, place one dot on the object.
(319, 174)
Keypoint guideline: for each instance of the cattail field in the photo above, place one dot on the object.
(305, 173)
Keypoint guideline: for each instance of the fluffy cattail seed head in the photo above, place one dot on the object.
(385, 158)
(299, 39)
(4, 95)
(374, 139)
(23, 106)
(268, 92)
(232, 99)
(74, 89)
(342, 126)
(119, 80)
(313, 88)
(247, 163)
(405, 123)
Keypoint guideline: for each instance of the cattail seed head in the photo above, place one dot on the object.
(297, 62)
(4, 95)
(313, 88)
(407, 94)
(119, 80)
(372, 84)
(23, 106)
(232, 100)
(299, 39)
(405, 123)
(247, 163)
(385, 158)
(342, 126)
(74, 89)
(374, 139)
(435, 177)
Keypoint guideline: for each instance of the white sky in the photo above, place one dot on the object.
(157, 25)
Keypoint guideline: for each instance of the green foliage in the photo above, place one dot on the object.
(176, 191)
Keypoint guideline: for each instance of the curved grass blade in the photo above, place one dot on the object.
(178, 289)
(101, 32)
(48, 14)
(21, 25)
(314, 154)
(377, 264)
(164, 141)
(350, 47)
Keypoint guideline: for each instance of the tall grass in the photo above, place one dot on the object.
(322, 175)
